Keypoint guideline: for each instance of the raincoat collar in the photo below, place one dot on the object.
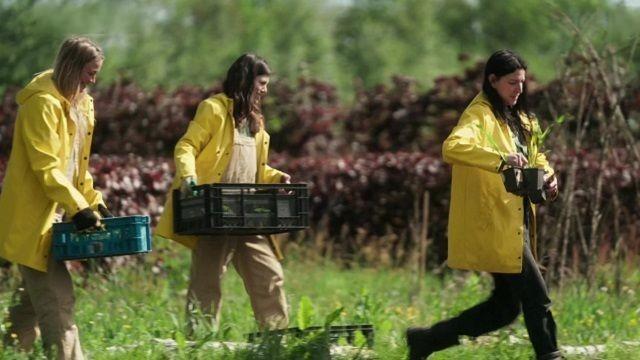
(41, 83)
(481, 98)
(226, 101)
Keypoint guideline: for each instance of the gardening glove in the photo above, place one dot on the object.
(104, 212)
(188, 183)
(86, 220)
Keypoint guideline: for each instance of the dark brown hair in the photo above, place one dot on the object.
(238, 85)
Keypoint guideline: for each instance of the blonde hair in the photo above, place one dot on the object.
(74, 54)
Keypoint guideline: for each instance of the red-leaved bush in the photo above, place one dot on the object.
(367, 164)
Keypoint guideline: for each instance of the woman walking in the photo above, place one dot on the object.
(48, 180)
(490, 229)
(226, 142)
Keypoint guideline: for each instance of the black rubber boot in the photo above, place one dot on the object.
(556, 355)
(423, 342)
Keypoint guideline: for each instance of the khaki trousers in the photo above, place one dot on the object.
(255, 262)
(44, 303)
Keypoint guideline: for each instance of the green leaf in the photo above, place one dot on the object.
(360, 340)
(306, 313)
(333, 316)
(544, 135)
(181, 341)
(275, 124)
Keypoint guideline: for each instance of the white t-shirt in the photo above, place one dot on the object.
(72, 167)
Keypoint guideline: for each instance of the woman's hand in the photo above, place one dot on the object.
(285, 179)
(87, 220)
(551, 187)
(104, 212)
(516, 160)
(186, 189)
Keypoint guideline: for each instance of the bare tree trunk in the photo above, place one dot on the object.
(568, 192)
(585, 217)
(618, 241)
(596, 217)
(419, 227)
(424, 233)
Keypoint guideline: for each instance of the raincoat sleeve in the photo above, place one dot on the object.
(465, 145)
(198, 134)
(268, 175)
(93, 196)
(271, 175)
(42, 142)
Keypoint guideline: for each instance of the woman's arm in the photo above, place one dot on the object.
(39, 121)
(464, 145)
(198, 135)
(93, 196)
(274, 176)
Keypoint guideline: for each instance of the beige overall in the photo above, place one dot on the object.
(252, 256)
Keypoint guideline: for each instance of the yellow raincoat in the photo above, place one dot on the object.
(485, 221)
(35, 182)
(204, 152)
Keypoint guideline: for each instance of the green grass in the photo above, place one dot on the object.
(120, 315)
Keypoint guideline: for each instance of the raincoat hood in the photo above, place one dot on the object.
(42, 83)
(226, 101)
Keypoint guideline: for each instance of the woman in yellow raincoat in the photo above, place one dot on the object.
(226, 143)
(491, 229)
(47, 179)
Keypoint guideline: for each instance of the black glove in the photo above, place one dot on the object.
(85, 219)
(104, 212)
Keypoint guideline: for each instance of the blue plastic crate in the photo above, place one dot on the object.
(123, 236)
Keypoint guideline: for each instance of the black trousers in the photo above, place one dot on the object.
(511, 294)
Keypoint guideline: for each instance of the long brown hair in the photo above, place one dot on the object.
(238, 85)
(74, 54)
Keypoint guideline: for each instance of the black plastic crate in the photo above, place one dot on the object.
(241, 209)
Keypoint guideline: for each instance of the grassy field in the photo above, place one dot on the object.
(122, 315)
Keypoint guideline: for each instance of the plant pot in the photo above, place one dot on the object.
(533, 185)
(538, 197)
(533, 180)
(513, 180)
